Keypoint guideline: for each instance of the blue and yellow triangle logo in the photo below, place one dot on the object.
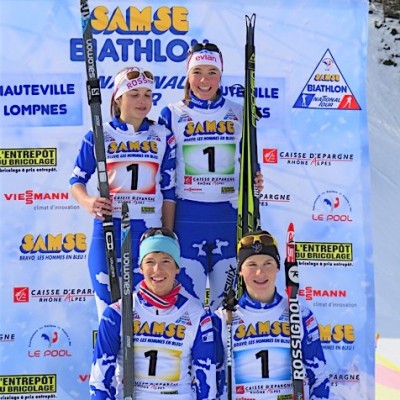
(327, 88)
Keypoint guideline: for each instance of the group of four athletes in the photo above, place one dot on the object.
(182, 174)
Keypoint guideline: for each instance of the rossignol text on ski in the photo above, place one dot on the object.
(292, 288)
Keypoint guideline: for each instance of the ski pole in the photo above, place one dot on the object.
(94, 100)
(292, 287)
(127, 306)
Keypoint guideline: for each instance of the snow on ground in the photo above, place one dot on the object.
(383, 94)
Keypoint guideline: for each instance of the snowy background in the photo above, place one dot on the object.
(383, 93)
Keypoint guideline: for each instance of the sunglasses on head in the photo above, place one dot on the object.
(203, 46)
(158, 231)
(136, 72)
(264, 238)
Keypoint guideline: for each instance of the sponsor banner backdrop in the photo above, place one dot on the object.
(313, 152)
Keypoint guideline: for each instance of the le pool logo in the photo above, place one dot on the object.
(49, 341)
(332, 206)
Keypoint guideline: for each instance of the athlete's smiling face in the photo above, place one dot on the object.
(259, 274)
(204, 81)
(159, 270)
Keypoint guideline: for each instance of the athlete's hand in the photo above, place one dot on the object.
(99, 207)
(259, 182)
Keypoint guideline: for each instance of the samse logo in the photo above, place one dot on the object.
(53, 243)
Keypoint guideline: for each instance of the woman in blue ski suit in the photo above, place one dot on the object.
(207, 129)
(140, 157)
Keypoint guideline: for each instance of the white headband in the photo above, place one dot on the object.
(205, 57)
(122, 84)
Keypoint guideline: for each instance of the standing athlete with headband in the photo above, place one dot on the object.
(141, 170)
(207, 129)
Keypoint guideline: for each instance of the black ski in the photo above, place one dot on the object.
(94, 100)
(230, 306)
(292, 288)
(248, 203)
(127, 306)
(248, 206)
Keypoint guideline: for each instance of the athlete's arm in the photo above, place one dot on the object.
(204, 359)
(168, 214)
(219, 323)
(314, 358)
(168, 182)
(165, 117)
(108, 345)
(84, 168)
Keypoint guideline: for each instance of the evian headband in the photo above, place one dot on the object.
(141, 79)
(204, 57)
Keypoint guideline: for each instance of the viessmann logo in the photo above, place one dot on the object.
(310, 292)
(30, 196)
